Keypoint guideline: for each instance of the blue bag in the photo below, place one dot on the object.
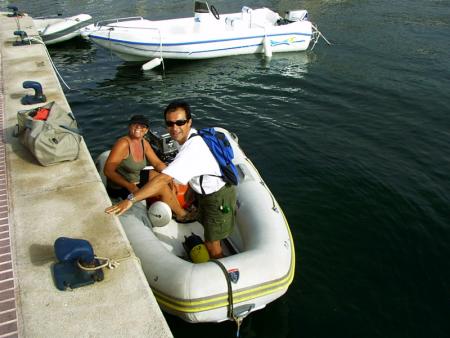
(222, 151)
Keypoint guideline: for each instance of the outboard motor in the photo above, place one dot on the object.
(162, 144)
(298, 15)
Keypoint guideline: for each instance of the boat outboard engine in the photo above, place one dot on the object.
(162, 144)
(298, 15)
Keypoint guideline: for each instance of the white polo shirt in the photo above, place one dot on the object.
(193, 160)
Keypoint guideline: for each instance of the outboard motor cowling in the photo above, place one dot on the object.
(297, 15)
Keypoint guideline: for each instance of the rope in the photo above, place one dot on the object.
(319, 35)
(107, 263)
(230, 290)
(160, 50)
(39, 40)
(109, 40)
(238, 320)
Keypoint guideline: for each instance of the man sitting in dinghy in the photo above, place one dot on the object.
(196, 165)
(126, 161)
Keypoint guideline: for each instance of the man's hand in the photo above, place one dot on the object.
(119, 208)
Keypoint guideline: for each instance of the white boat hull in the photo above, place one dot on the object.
(54, 30)
(263, 267)
(191, 38)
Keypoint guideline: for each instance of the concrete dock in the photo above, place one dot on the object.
(39, 204)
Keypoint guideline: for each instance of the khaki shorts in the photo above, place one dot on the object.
(217, 212)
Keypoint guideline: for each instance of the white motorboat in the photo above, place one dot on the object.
(258, 267)
(207, 34)
(58, 29)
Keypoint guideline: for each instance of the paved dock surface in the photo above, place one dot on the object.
(39, 204)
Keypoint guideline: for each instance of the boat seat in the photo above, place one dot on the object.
(264, 17)
(235, 22)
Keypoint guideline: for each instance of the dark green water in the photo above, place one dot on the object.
(353, 140)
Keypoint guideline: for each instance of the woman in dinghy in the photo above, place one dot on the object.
(129, 156)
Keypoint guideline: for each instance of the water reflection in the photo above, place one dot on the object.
(214, 73)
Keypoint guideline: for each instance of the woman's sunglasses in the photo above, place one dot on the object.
(179, 123)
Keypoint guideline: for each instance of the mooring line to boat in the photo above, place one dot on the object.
(39, 40)
(108, 262)
(160, 49)
(231, 315)
(109, 40)
(319, 35)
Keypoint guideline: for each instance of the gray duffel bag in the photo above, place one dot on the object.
(52, 137)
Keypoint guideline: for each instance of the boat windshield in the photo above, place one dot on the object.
(201, 7)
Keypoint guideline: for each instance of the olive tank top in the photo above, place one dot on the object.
(129, 168)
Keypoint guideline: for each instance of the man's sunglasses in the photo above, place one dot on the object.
(179, 123)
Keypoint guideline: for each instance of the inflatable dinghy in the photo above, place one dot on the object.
(259, 263)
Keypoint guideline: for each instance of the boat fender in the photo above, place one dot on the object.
(196, 248)
(159, 214)
(152, 64)
(267, 47)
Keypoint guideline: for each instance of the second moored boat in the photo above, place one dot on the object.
(207, 34)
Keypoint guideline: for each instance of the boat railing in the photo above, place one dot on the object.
(135, 27)
(109, 21)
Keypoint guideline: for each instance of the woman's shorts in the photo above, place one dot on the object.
(217, 212)
(120, 192)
